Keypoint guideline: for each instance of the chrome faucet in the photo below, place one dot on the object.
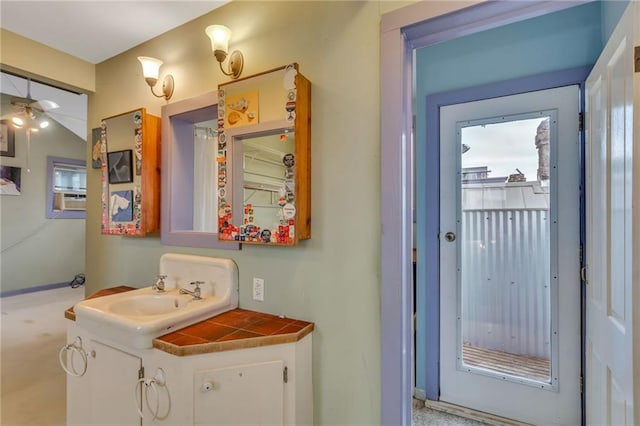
(196, 292)
(159, 285)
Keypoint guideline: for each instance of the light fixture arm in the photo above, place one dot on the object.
(235, 65)
(167, 86)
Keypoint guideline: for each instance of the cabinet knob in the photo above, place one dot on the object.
(207, 386)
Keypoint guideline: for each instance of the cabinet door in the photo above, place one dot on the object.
(113, 375)
(250, 394)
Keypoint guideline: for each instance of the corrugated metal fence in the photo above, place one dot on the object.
(505, 280)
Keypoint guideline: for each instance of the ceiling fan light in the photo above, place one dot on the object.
(44, 124)
(17, 121)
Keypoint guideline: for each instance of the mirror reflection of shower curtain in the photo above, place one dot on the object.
(205, 178)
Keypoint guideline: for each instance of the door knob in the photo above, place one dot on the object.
(450, 236)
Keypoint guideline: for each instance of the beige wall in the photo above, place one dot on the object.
(29, 58)
(35, 250)
(332, 279)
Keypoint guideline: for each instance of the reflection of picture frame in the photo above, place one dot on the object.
(7, 140)
(121, 206)
(120, 167)
(10, 180)
(96, 148)
(242, 109)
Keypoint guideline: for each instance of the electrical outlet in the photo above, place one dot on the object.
(258, 289)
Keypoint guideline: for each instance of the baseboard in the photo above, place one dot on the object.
(419, 394)
(469, 413)
(43, 287)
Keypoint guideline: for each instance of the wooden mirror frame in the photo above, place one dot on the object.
(296, 113)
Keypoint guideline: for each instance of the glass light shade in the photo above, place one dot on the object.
(44, 124)
(150, 67)
(17, 121)
(220, 36)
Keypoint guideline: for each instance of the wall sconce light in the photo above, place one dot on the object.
(220, 35)
(151, 71)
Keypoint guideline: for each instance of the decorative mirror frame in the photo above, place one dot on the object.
(295, 113)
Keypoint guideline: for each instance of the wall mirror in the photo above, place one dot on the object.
(264, 164)
(129, 158)
(190, 173)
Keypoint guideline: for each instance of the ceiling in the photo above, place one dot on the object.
(90, 30)
(98, 30)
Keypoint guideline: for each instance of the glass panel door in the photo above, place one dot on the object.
(505, 268)
(509, 326)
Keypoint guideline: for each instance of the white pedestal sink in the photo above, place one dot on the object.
(136, 317)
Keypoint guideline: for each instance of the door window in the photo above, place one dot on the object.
(505, 264)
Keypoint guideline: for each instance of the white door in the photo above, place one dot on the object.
(509, 247)
(613, 239)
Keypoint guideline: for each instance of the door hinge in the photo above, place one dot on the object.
(141, 373)
(581, 122)
(285, 375)
(636, 58)
(580, 254)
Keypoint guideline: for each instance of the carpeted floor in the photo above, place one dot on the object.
(32, 384)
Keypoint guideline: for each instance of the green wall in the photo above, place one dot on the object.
(333, 278)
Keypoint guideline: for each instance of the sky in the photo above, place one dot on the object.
(503, 147)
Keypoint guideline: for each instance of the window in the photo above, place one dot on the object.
(66, 188)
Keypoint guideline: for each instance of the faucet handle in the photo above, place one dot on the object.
(196, 291)
(159, 285)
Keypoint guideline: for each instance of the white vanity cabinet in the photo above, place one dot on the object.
(253, 381)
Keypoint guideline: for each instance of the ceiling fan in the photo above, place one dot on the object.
(29, 113)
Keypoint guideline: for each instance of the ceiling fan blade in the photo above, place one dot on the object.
(17, 100)
(44, 105)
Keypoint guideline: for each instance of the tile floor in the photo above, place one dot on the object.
(32, 384)
(423, 416)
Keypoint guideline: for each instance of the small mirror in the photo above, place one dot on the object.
(264, 179)
(129, 158)
(190, 173)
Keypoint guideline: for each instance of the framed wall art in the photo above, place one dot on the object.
(7, 140)
(96, 148)
(120, 167)
(121, 206)
(10, 180)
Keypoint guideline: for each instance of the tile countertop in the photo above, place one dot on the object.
(235, 329)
